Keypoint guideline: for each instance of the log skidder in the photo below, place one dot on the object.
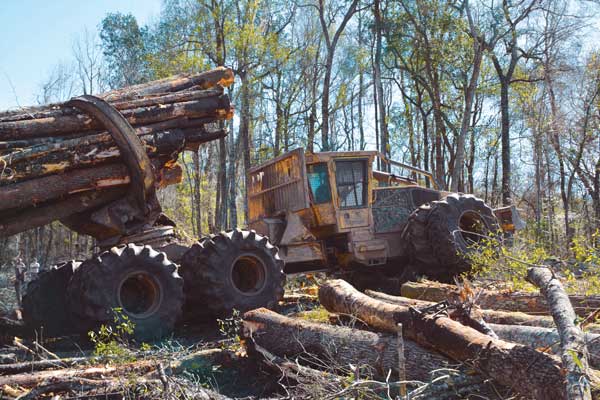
(235, 270)
(440, 235)
(138, 280)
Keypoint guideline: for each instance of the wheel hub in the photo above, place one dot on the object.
(248, 274)
(139, 294)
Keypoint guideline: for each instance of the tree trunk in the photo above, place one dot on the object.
(572, 340)
(526, 370)
(508, 301)
(505, 137)
(325, 102)
(383, 131)
(459, 161)
(337, 346)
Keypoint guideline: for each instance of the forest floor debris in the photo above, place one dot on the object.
(339, 344)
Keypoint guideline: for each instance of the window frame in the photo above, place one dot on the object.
(310, 188)
(365, 182)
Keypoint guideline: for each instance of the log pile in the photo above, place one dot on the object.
(528, 355)
(59, 156)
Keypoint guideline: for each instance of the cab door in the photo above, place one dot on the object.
(352, 193)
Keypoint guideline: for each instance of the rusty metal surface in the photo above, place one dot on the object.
(278, 186)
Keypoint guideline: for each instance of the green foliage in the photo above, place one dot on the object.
(124, 46)
(495, 259)
(111, 341)
(230, 328)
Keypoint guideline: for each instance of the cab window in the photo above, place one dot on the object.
(351, 183)
(318, 180)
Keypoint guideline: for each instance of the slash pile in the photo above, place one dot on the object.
(49, 155)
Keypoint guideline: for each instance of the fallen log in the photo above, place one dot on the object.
(529, 303)
(336, 346)
(31, 366)
(491, 316)
(31, 379)
(545, 338)
(574, 353)
(104, 388)
(526, 370)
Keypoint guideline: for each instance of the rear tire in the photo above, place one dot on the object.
(238, 270)
(45, 301)
(139, 280)
(438, 244)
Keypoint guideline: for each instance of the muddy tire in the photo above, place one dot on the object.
(437, 241)
(238, 270)
(139, 280)
(45, 301)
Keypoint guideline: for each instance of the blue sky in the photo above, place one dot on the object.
(35, 35)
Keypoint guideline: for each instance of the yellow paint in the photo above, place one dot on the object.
(50, 168)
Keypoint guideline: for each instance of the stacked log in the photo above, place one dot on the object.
(56, 157)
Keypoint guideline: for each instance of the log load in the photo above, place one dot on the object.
(491, 316)
(56, 160)
(530, 303)
(530, 372)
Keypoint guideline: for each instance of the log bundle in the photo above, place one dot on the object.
(53, 155)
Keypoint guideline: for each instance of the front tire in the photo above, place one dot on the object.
(139, 280)
(238, 270)
(439, 238)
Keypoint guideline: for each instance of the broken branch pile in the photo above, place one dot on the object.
(41, 146)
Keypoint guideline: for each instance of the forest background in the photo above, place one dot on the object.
(500, 98)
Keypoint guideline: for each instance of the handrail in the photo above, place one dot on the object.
(419, 171)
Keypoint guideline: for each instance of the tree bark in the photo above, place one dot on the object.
(13, 223)
(331, 44)
(214, 108)
(337, 346)
(491, 316)
(202, 81)
(499, 300)
(572, 340)
(528, 371)
(469, 93)
(31, 379)
(383, 129)
(545, 338)
(31, 366)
